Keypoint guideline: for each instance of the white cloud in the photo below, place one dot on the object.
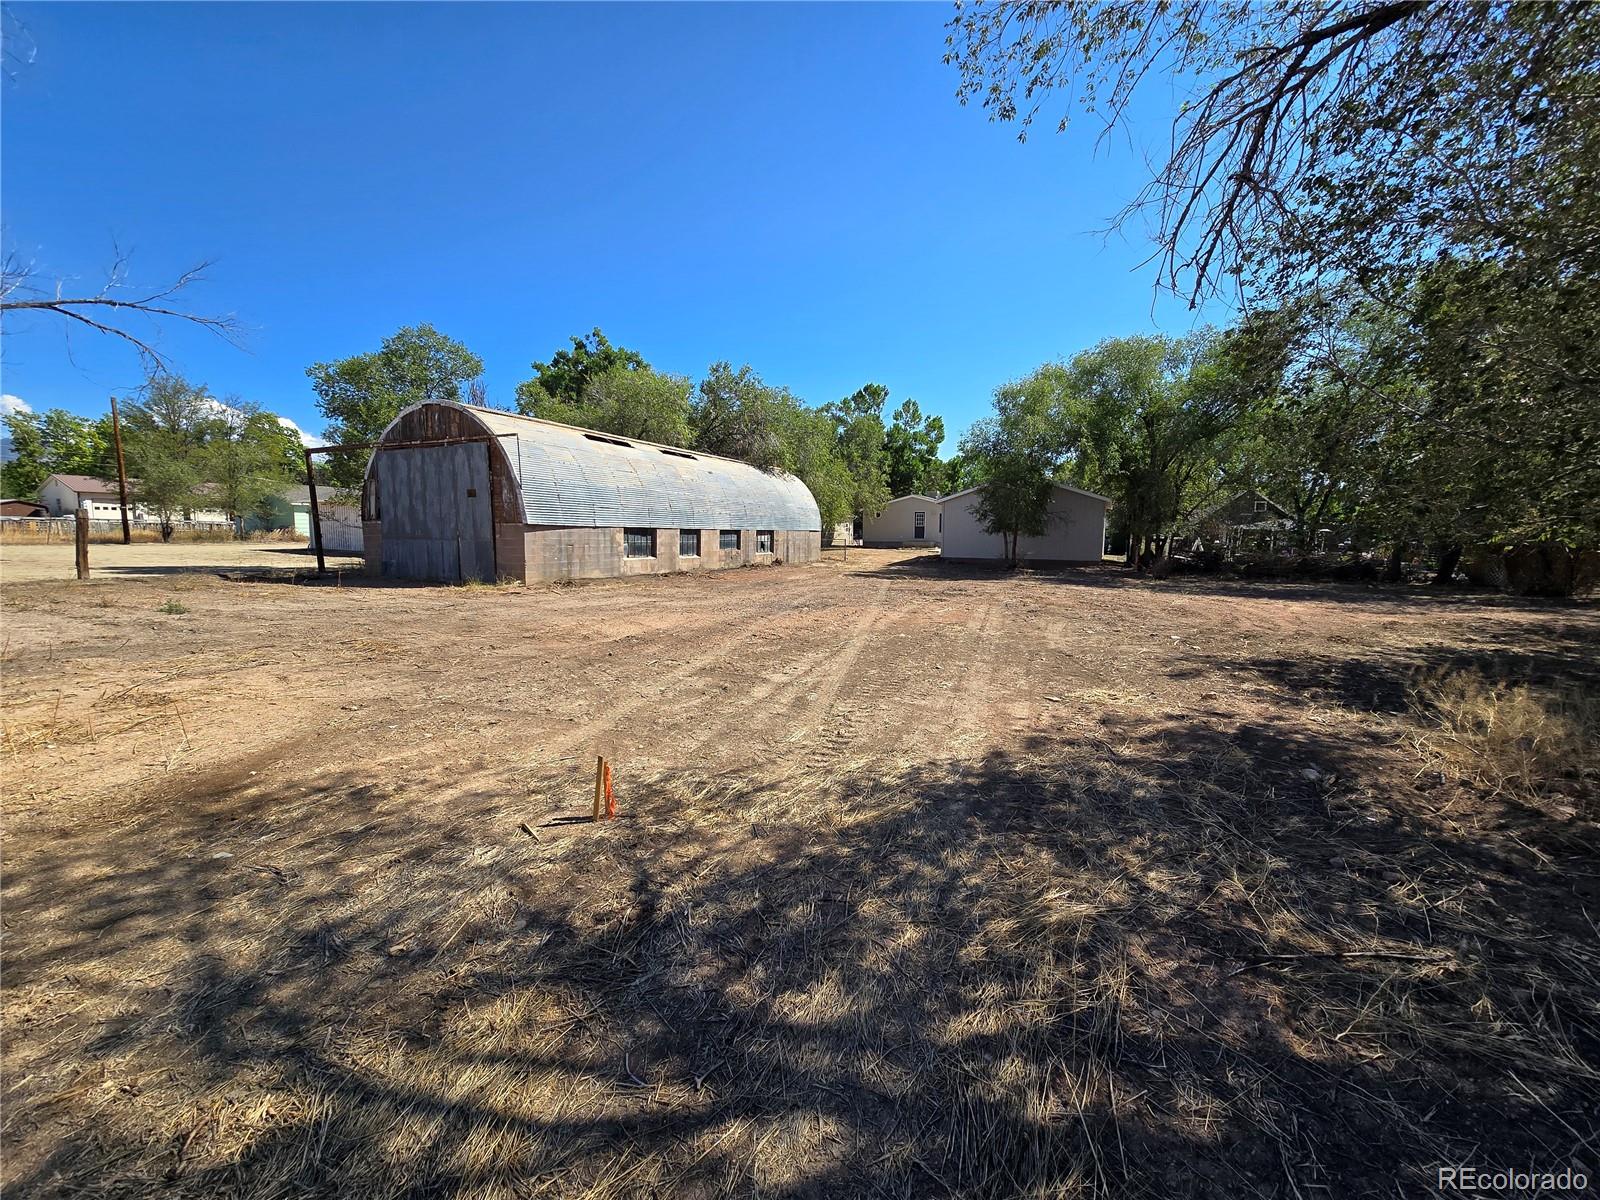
(10, 404)
(306, 439)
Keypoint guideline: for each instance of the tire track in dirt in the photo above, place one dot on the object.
(971, 694)
(809, 722)
(712, 656)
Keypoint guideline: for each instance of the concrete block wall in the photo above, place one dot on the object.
(543, 553)
(552, 552)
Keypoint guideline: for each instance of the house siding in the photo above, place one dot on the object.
(1076, 532)
(896, 524)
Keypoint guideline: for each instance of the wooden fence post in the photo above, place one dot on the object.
(83, 544)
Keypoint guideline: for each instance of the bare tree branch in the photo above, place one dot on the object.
(105, 311)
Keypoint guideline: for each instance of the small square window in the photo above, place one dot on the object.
(763, 541)
(639, 543)
(1261, 506)
(688, 543)
(728, 539)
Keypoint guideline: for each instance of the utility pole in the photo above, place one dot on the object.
(122, 472)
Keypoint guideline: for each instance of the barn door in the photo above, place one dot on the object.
(435, 513)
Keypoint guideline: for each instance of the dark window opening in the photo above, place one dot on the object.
(610, 441)
(763, 541)
(688, 543)
(639, 543)
(676, 453)
(1261, 506)
(728, 539)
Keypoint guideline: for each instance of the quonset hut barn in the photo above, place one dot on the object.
(454, 493)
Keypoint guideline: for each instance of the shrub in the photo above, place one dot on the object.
(173, 608)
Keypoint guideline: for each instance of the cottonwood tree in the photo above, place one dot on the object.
(164, 435)
(736, 414)
(1017, 453)
(362, 394)
(246, 456)
(859, 445)
(1341, 135)
(563, 382)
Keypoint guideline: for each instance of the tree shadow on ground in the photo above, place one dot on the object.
(1174, 966)
(1115, 577)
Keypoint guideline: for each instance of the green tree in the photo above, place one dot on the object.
(1345, 135)
(562, 383)
(54, 442)
(1153, 422)
(362, 394)
(859, 446)
(737, 415)
(911, 444)
(246, 455)
(1017, 453)
(164, 439)
(808, 449)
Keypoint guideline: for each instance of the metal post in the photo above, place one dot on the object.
(83, 544)
(122, 472)
(316, 514)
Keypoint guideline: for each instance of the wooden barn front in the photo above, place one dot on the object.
(440, 500)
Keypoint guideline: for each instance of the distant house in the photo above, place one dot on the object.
(290, 508)
(913, 520)
(1247, 521)
(1075, 533)
(64, 495)
(23, 508)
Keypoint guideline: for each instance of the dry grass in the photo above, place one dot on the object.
(1195, 920)
(1075, 971)
(1511, 738)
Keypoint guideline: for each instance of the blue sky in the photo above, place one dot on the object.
(793, 186)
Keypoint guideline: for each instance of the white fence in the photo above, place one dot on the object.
(64, 529)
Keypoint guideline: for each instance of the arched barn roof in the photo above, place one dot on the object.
(572, 476)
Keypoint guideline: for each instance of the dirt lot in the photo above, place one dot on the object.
(925, 882)
(29, 563)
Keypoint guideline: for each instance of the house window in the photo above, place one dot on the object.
(676, 453)
(610, 441)
(639, 543)
(1261, 506)
(688, 543)
(919, 526)
(763, 541)
(728, 539)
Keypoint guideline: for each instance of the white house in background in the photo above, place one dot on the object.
(64, 495)
(1076, 532)
(913, 520)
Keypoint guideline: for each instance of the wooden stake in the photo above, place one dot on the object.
(83, 544)
(599, 784)
(611, 800)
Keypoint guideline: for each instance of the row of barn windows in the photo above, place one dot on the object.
(641, 543)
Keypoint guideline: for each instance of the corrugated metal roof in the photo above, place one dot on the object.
(572, 476)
